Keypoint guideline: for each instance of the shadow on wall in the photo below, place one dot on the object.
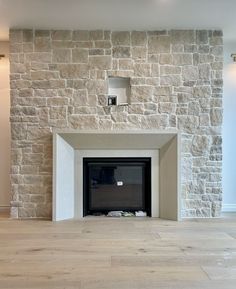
(4, 125)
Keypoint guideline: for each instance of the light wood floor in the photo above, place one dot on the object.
(103, 253)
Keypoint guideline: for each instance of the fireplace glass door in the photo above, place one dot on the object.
(112, 184)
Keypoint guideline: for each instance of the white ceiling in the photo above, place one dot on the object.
(118, 15)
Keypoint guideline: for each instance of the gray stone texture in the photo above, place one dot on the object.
(59, 80)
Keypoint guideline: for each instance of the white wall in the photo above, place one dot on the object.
(4, 126)
(229, 129)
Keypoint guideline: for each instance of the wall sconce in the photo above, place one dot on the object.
(234, 57)
(2, 56)
(230, 73)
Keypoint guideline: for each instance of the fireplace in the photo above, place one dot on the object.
(116, 184)
(157, 164)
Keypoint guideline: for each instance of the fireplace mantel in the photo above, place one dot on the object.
(67, 143)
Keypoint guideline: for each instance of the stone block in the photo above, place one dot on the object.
(200, 145)
(177, 48)
(204, 119)
(120, 38)
(166, 107)
(141, 93)
(18, 131)
(193, 108)
(100, 62)
(166, 58)
(202, 91)
(182, 36)
(216, 116)
(163, 90)
(27, 35)
(202, 37)
(44, 75)
(80, 97)
(126, 64)
(138, 38)
(217, 50)
(142, 70)
(121, 52)
(63, 35)
(58, 112)
(96, 35)
(38, 57)
(73, 71)
(80, 35)
(204, 71)
(155, 70)
(63, 44)
(104, 44)
(16, 35)
(183, 59)
(169, 69)
(83, 121)
(42, 45)
(61, 55)
(187, 123)
(139, 52)
(159, 44)
(170, 80)
(96, 51)
(79, 55)
(154, 122)
(190, 73)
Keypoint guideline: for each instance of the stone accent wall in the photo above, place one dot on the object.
(59, 80)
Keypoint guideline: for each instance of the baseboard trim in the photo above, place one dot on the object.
(229, 208)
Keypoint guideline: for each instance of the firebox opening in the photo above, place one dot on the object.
(116, 184)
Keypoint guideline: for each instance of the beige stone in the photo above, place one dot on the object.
(80, 55)
(169, 69)
(190, 73)
(80, 35)
(121, 52)
(159, 44)
(61, 35)
(120, 38)
(42, 45)
(100, 62)
(142, 70)
(80, 97)
(141, 93)
(138, 38)
(72, 71)
(44, 75)
(83, 122)
(58, 112)
(61, 55)
(182, 36)
(183, 59)
(200, 145)
(139, 52)
(216, 116)
(171, 80)
(96, 35)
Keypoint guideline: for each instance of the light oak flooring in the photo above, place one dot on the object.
(106, 253)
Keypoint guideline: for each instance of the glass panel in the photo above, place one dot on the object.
(116, 186)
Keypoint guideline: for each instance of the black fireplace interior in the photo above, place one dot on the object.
(116, 184)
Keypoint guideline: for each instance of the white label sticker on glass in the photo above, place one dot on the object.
(119, 183)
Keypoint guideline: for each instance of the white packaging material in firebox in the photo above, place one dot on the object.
(140, 214)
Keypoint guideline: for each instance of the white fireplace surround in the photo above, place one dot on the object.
(70, 147)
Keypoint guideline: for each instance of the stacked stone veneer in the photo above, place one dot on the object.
(59, 80)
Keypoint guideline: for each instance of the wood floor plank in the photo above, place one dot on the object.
(102, 253)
